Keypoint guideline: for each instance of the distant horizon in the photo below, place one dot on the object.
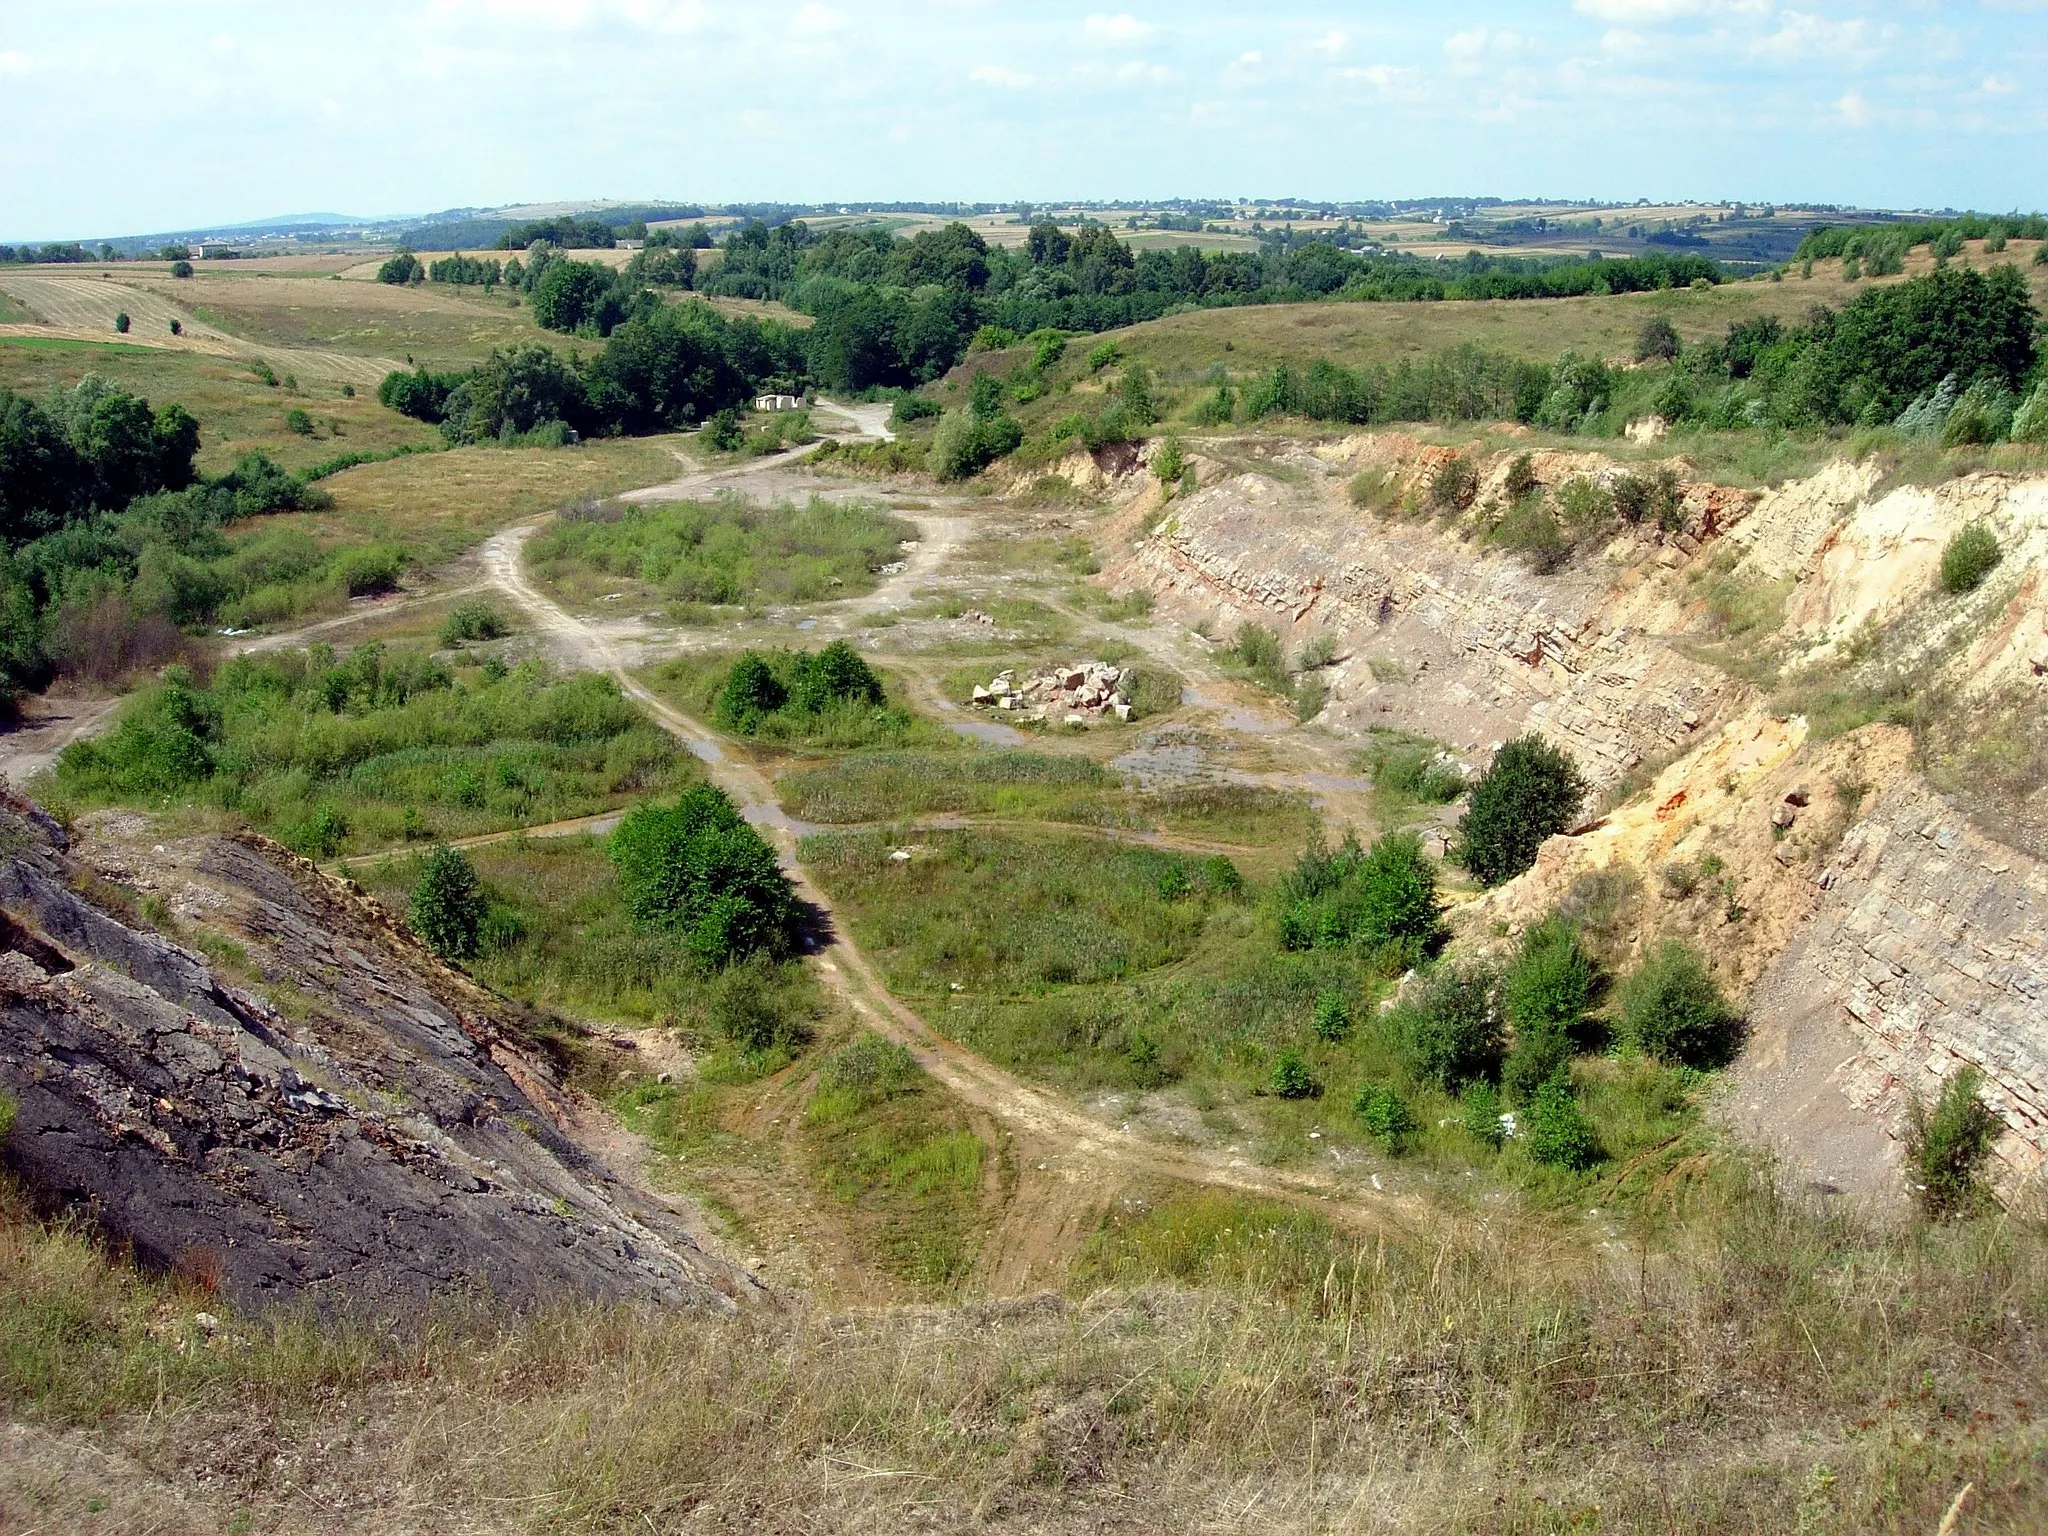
(533, 207)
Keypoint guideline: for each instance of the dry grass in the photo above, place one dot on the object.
(237, 411)
(440, 504)
(1765, 1369)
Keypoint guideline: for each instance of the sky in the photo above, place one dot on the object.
(130, 116)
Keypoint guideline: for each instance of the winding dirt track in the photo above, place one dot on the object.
(1053, 1137)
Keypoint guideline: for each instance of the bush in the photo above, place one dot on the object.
(1413, 768)
(473, 620)
(2030, 421)
(181, 268)
(1543, 995)
(1672, 1009)
(369, 569)
(401, 269)
(1257, 648)
(1657, 339)
(1558, 1132)
(1479, 1110)
(966, 444)
(1170, 462)
(1454, 485)
(448, 905)
(1333, 1016)
(121, 323)
(698, 868)
(909, 408)
(1104, 355)
(1292, 1078)
(1947, 1146)
(1529, 792)
(296, 420)
(1968, 558)
(1521, 477)
(1384, 1116)
(1379, 899)
(1450, 1033)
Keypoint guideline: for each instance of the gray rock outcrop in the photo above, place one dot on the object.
(398, 1138)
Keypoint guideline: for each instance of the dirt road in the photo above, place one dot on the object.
(1053, 1137)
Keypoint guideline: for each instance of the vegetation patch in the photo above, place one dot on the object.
(336, 754)
(725, 552)
(884, 1140)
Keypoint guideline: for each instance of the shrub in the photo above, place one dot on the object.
(1450, 1033)
(1257, 648)
(909, 408)
(1968, 558)
(1169, 463)
(181, 268)
(698, 868)
(1479, 1110)
(722, 433)
(1558, 1132)
(1543, 995)
(369, 569)
(320, 835)
(1529, 792)
(1103, 355)
(1532, 531)
(1657, 339)
(121, 323)
(1379, 899)
(400, 269)
(1946, 1147)
(448, 905)
(473, 620)
(1414, 768)
(965, 444)
(1521, 477)
(1333, 1016)
(751, 692)
(1454, 485)
(298, 421)
(1672, 1009)
(1384, 1116)
(1292, 1078)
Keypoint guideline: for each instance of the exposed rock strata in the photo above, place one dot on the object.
(1929, 952)
(397, 1139)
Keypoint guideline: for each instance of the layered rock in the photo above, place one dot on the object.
(1928, 952)
(397, 1138)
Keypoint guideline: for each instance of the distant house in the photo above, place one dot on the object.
(631, 245)
(778, 403)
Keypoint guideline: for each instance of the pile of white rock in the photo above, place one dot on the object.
(1072, 695)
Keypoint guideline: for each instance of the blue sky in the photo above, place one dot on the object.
(131, 115)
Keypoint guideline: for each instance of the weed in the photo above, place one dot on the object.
(1946, 1147)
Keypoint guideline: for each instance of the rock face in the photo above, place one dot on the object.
(1928, 952)
(1504, 649)
(398, 1138)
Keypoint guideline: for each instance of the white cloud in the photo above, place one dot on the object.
(1139, 73)
(1997, 85)
(1469, 44)
(818, 18)
(1803, 35)
(1650, 12)
(1854, 109)
(1380, 76)
(13, 63)
(1009, 79)
(1120, 31)
(1331, 43)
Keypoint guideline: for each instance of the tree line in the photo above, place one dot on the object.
(106, 527)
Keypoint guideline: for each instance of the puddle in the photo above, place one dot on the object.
(1163, 762)
(1233, 717)
(994, 732)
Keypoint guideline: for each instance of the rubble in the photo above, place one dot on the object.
(1075, 694)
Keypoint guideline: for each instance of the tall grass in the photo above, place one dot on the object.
(1758, 1367)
